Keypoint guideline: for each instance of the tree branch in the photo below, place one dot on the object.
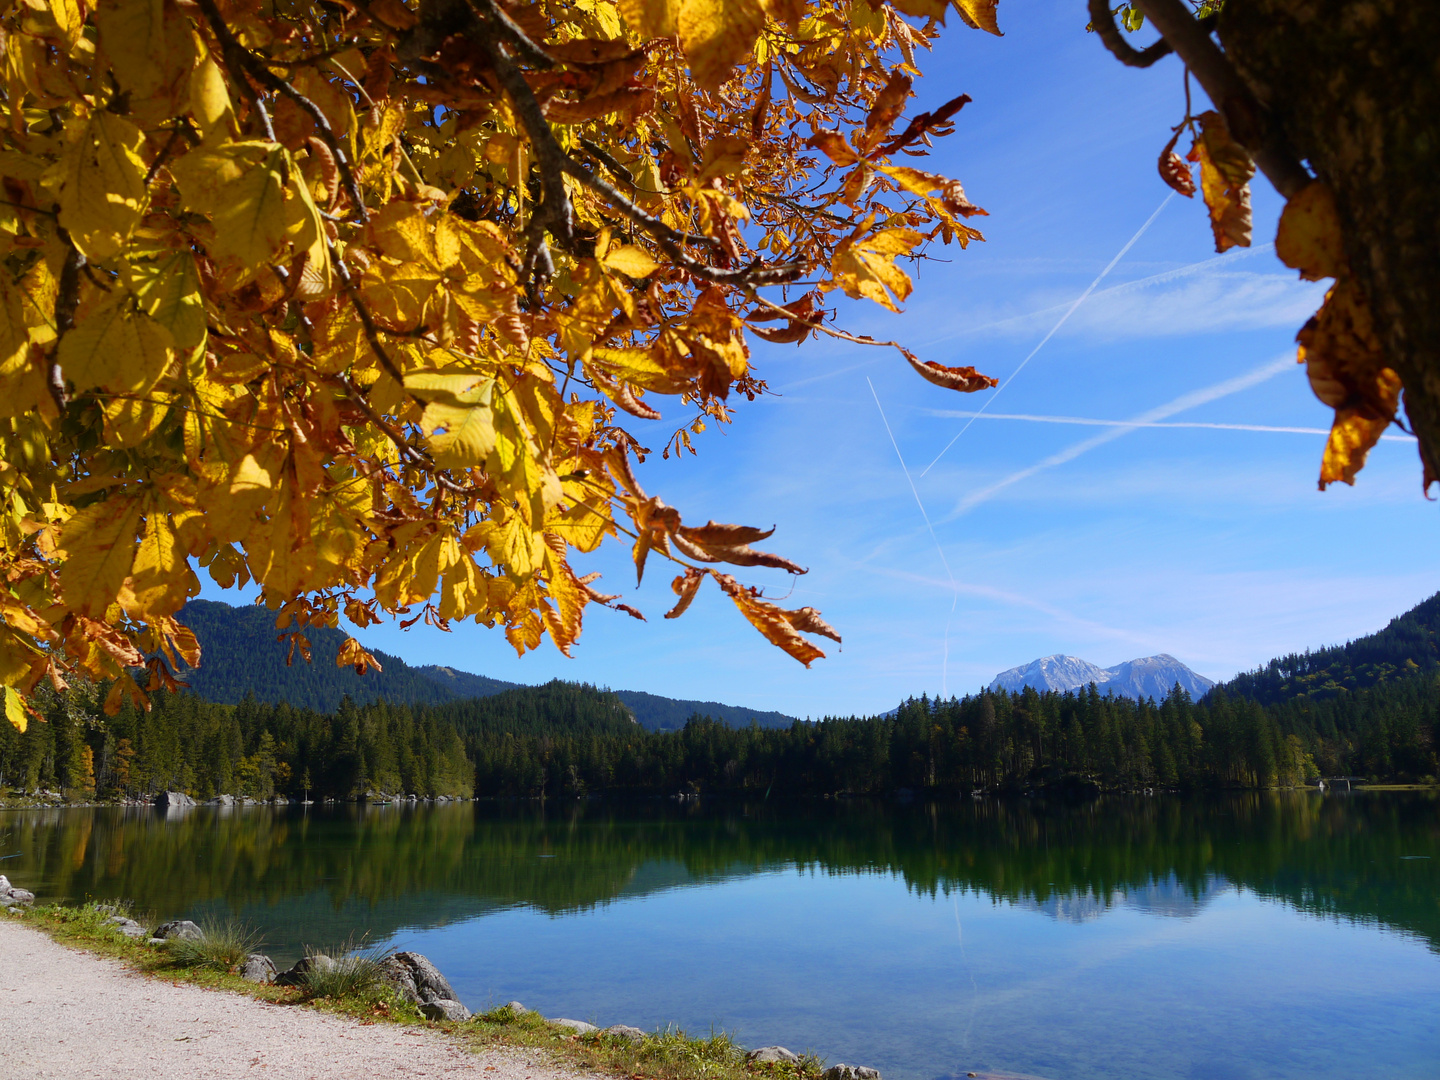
(237, 54)
(1102, 20)
(67, 298)
(1250, 122)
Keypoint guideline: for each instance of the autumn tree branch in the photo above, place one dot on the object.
(237, 55)
(1250, 122)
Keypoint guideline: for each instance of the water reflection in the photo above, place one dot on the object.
(322, 872)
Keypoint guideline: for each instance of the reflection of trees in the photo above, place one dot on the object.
(1339, 857)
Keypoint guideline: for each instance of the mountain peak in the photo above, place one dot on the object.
(1147, 676)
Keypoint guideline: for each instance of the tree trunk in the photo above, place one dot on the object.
(1355, 87)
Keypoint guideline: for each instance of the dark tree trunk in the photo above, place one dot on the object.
(1355, 87)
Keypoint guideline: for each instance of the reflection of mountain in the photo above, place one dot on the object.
(322, 872)
(1167, 896)
(1173, 898)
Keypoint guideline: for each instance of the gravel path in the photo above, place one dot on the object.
(70, 1015)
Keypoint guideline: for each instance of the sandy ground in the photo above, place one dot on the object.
(71, 1015)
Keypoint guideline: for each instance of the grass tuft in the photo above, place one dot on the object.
(223, 945)
(356, 972)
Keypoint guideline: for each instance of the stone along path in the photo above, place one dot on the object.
(69, 1015)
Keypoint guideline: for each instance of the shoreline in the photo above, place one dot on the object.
(568, 1049)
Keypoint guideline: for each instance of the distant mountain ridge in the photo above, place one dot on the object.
(1146, 677)
(241, 655)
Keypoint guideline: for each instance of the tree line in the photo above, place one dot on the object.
(566, 739)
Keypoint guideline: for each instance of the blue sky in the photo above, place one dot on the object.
(1209, 543)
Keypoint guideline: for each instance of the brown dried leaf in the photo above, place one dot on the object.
(769, 620)
(685, 587)
(1174, 171)
(964, 379)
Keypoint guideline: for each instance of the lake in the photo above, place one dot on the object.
(1274, 934)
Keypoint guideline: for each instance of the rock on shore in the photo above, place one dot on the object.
(10, 896)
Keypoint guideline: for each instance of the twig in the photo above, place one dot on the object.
(235, 56)
(367, 323)
(1102, 19)
(841, 334)
(235, 53)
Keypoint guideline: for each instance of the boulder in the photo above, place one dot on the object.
(580, 1027)
(167, 799)
(296, 976)
(416, 979)
(10, 896)
(776, 1055)
(258, 969)
(178, 928)
(849, 1072)
(445, 1009)
(516, 1008)
(223, 800)
(129, 927)
(626, 1032)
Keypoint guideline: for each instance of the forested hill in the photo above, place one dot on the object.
(242, 657)
(1409, 645)
(656, 713)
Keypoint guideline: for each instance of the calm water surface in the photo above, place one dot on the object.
(1265, 935)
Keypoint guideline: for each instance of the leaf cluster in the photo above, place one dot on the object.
(349, 300)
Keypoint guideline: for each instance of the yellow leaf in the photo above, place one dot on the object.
(15, 709)
(724, 156)
(241, 186)
(14, 329)
(99, 547)
(210, 102)
(866, 268)
(102, 183)
(130, 421)
(650, 18)
(147, 42)
(168, 290)
(1309, 237)
(631, 261)
(397, 295)
(116, 349)
(458, 422)
(979, 15)
(160, 577)
(715, 35)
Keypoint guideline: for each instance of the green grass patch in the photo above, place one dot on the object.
(223, 945)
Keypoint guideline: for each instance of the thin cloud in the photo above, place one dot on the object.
(1083, 421)
(1184, 402)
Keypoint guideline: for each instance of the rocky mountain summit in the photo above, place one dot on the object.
(1149, 676)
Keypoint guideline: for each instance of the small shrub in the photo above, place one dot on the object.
(355, 972)
(223, 945)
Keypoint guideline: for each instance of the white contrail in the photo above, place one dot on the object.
(1204, 424)
(954, 589)
(1214, 263)
(1161, 412)
(1068, 312)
